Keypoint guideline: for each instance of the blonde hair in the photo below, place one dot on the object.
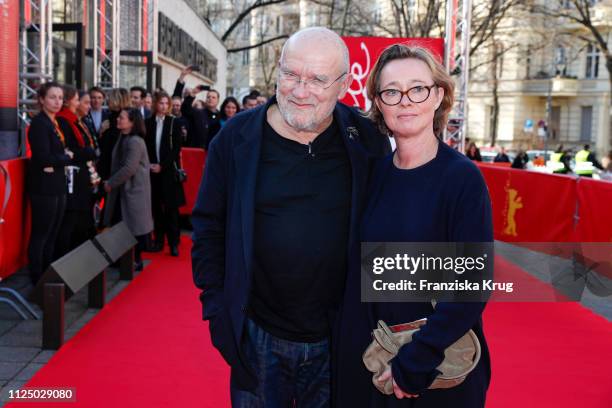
(118, 99)
(440, 78)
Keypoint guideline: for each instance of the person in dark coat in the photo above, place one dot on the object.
(77, 224)
(473, 152)
(280, 196)
(196, 116)
(424, 192)
(521, 160)
(46, 179)
(83, 111)
(501, 157)
(129, 186)
(96, 114)
(164, 146)
(183, 124)
(118, 99)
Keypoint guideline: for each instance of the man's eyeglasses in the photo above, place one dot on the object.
(417, 94)
(314, 85)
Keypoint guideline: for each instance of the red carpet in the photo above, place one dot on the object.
(149, 348)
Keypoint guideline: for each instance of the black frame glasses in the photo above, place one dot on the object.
(415, 90)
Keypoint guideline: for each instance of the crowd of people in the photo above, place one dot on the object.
(561, 160)
(100, 157)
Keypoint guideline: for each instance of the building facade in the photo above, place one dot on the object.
(543, 62)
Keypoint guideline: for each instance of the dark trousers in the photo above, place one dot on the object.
(77, 227)
(47, 214)
(289, 374)
(165, 218)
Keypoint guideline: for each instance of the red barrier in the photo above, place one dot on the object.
(15, 230)
(594, 210)
(193, 160)
(530, 206)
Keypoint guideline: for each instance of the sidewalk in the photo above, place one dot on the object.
(21, 353)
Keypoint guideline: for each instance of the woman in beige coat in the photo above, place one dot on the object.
(129, 186)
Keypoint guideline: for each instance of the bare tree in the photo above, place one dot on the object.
(235, 13)
(579, 12)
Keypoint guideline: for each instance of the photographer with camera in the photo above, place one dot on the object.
(196, 116)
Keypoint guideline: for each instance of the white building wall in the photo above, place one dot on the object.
(186, 18)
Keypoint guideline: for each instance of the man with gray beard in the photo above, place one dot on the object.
(276, 216)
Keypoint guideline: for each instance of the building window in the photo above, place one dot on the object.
(245, 57)
(246, 33)
(377, 15)
(560, 61)
(592, 62)
(528, 62)
(586, 124)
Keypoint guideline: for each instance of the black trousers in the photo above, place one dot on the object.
(77, 227)
(47, 214)
(165, 218)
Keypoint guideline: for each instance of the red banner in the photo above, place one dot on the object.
(364, 51)
(530, 206)
(193, 163)
(9, 58)
(595, 210)
(15, 225)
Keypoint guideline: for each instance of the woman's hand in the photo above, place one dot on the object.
(107, 187)
(399, 393)
(69, 153)
(155, 168)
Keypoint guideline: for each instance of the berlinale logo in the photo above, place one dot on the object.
(514, 202)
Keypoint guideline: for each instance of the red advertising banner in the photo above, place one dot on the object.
(9, 58)
(364, 51)
(15, 224)
(193, 161)
(530, 206)
(594, 210)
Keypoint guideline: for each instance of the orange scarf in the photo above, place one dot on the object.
(84, 129)
(59, 133)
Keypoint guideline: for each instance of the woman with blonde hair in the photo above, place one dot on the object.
(423, 192)
(164, 146)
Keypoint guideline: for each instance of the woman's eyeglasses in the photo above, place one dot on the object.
(416, 94)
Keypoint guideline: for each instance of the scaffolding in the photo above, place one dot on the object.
(457, 62)
(36, 54)
(106, 43)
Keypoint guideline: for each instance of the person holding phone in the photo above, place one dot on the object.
(196, 117)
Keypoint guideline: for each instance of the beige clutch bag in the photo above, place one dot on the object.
(460, 358)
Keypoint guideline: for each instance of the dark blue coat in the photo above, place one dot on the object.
(222, 220)
(445, 200)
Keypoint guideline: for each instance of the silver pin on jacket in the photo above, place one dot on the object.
(352, 132)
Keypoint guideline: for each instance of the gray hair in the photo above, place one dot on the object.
(320, 35)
